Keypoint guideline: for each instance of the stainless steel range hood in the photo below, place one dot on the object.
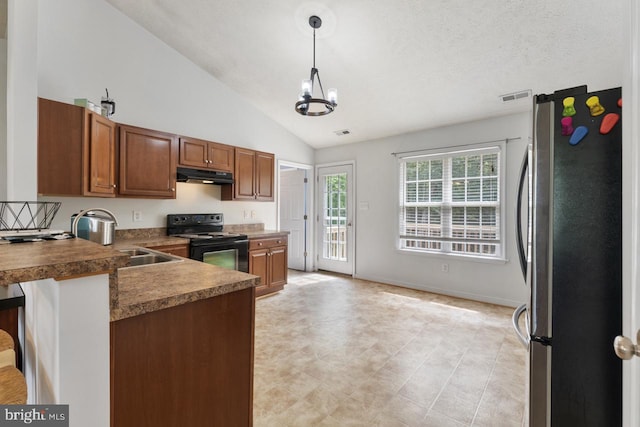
(201, 176)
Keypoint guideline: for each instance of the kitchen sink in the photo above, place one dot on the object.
(144, 257)
(135, 251)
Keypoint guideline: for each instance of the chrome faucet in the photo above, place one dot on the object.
(74, 225)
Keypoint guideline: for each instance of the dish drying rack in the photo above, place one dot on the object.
(27, 215)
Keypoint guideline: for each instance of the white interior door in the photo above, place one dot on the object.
(293, 214)
(631, 214)
(335, 219)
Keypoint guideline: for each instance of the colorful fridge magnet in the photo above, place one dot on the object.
(620, 102)
(608, 122)
(566, 124)
(594, 105)
(578, 135)
(569, 109)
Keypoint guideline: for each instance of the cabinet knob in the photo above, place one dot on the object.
(259, 243)
(173, 189)
(279, 241)
(114, 186)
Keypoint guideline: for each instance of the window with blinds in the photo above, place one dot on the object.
(450, 202)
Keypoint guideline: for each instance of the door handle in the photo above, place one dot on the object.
(625, 348)
(522, 253)
(522, 337)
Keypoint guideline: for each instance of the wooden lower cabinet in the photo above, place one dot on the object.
(188, 365)
(179, 250)
(268, 259)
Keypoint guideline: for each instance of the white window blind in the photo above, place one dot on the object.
(450, 202)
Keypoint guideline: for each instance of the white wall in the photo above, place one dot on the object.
(376, 184)
(3, 119)
(85, 46)
(21, 145)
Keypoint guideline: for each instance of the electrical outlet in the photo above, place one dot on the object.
(137, 216)
(253, 214)
(444, 268)
(246, 214)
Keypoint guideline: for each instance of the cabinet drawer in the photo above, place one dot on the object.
(267, 243)
(179, 249)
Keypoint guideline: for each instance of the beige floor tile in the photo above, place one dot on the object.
(335, 351)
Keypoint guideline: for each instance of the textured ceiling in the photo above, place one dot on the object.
(399, 66)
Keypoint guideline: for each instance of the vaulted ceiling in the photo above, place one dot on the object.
(399, 66)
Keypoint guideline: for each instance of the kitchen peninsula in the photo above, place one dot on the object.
(159, 342)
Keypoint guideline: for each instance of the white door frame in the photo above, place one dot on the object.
(631, 213)
(352, 250)
(309, 200)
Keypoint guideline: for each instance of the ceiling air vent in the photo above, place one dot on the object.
(516, 96)
(342, 132)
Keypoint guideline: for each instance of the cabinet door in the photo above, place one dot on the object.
(60, 138)
(179, 250)
(220, 157)
(193, 152)
(259, 266)
(278, 260)
(244, 187)
(264, 176)
(147, 163)
(101, 152)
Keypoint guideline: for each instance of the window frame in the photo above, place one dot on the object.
(449, 153)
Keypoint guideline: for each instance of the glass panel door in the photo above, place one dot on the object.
(335, 219)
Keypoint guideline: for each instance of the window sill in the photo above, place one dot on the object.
(450, 256)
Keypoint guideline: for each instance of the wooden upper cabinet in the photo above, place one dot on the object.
(264, 176)
(244, 181)
(253, 176)
(102, 154)
(76, 151)
(201, 154)
(148, 161)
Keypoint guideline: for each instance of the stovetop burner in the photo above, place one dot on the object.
(213, 235)
(200, 227)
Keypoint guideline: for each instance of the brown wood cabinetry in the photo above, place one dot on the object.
(179, 249)
(188, 365)
(268, 259)
(148, 161)
(201, 154)
(76, 151)
(253, 176)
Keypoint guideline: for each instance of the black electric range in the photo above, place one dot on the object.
(208, 243)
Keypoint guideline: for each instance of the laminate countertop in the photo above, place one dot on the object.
(153, 287)
(262, 234)
(57, 259)
(133, 291)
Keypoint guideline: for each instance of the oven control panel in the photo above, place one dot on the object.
(184, 220)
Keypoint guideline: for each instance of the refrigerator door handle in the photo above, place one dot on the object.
(521, 244)
(517, 313)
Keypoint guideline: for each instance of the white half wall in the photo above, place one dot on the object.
(376, 186)
(85, 46)
(67, 346)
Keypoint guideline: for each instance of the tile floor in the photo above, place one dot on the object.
(334, 351)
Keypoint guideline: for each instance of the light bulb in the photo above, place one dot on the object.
(332, 95)
(307, 87)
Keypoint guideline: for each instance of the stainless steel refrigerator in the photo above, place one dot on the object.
(571, 254)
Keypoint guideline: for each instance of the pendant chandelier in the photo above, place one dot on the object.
(307, 105)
